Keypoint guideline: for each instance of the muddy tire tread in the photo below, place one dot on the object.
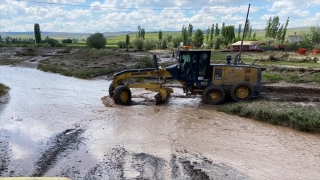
(111, 88)
(207, 91)
(117, 95)
(233, 89)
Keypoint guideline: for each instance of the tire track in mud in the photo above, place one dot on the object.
(290, 93)
(119, 163)
(64, 142)
(123, 164)
(4, 153)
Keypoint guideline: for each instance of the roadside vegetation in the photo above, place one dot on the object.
(303, 118)
(3, 89)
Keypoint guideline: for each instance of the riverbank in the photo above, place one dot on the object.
(86, 63)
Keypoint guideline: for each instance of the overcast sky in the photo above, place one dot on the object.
(153, 15)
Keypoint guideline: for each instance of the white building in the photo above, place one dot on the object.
(246, 46)
(294, 38)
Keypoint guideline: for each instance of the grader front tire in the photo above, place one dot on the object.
(111, 88)
(122, 95)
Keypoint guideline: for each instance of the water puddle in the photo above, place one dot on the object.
(70, 127)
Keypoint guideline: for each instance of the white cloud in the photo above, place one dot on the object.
(120, 15)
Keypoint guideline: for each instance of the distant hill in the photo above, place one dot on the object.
(298, 30)
(60, 34)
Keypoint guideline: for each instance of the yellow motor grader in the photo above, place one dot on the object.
(196, 75)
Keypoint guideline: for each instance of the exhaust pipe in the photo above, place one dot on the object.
(236, 59)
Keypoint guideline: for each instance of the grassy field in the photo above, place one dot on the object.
(304, 118)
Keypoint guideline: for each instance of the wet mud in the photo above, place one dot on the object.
(290, 93)
(72, 132)
(56, 148)
(4, 152)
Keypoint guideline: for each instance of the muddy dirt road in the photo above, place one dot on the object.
(58, 126)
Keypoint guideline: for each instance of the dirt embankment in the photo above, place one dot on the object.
(80, 63)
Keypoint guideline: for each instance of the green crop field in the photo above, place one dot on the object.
(113, 38)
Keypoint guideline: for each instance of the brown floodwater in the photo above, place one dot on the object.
(45, 110)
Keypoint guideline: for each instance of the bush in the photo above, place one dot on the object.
(3, 89)
(67, 40)
(138, 43)
(97, 41)
(149, 44)
(291, 47)
(52, 42)
(145, 62)
(122, 44)
(163, 44)
(176, 41)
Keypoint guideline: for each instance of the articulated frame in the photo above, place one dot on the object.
(160, 73)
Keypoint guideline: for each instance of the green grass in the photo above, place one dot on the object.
(3, 89)
(304, 118)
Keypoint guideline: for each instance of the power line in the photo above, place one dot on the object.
(104, 7)
(288, 16)
(156, 9)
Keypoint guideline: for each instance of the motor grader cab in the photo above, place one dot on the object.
(196, 75)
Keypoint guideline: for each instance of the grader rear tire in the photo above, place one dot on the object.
(213, 95)
(122, 95)
(241, 91)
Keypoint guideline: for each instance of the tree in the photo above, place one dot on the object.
(208, 33)
(190, 30)
(268, 33)
(96, 40)
(160, 35)
(274, 27)
(37, 33)
(284, 31)
(217, 31)
(315, 35)
(254, 36)
(229, 34)
(239, 31)
(279, 33)
(218, 41)
(246, 30)
(249, 33)
(211, 32)
(198, 38)
(142, 33)
(223, 32)
(127, 40)
(139, 31)
(184, 35)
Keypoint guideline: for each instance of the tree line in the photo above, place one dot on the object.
(214, 36)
